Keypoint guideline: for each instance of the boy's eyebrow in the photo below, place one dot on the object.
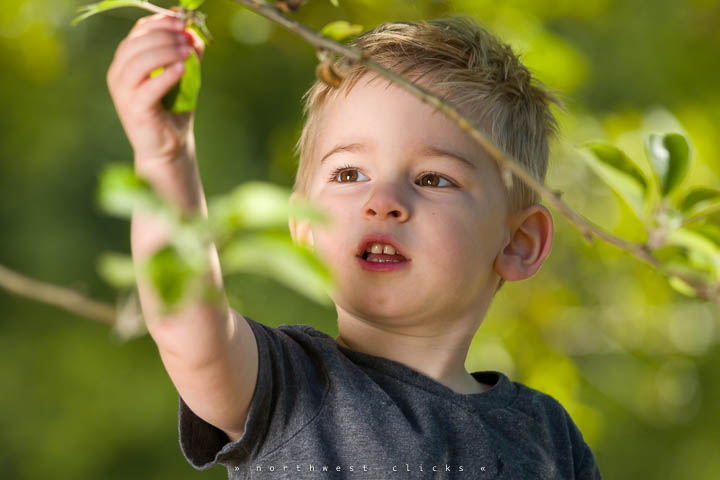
(424, 150)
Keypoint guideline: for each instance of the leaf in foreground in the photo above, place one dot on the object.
(257, 205)
(275, 256)
(170, 275)
(117, 269)
(120, 191)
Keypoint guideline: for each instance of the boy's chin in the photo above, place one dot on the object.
(393, 311)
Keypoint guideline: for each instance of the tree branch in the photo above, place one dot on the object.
(641, 251)
(64, 298)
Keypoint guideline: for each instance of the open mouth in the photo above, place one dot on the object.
(383, 258)
(379, 252)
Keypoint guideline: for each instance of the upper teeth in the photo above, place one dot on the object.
(380, 248)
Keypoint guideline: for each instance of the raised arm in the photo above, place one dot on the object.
(208, 350)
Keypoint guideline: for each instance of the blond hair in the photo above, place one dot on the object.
(465, 65)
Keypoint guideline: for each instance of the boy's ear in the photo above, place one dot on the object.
(300, 231)
(531, 234)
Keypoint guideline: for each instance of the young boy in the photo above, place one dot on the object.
(424, 233)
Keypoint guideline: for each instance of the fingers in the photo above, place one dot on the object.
(154, 31)
(153, 89)
(156, 21)
(131, 48)
(160, 20)
(155, 41)
(140, 66)
(130, 45)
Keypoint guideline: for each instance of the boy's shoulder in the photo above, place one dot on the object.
(530, 400)
(538, 416)
(540, 407)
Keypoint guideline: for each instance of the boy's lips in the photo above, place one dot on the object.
(380, 238)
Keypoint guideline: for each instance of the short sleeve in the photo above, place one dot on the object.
(290, 389)
(586, 468)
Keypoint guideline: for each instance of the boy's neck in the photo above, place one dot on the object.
(440, 357)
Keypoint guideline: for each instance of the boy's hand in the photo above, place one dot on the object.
(156, 135)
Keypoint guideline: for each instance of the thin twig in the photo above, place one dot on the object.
(154, 8)
(64, 298)
(587, 228)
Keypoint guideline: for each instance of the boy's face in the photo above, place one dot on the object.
(451, 232)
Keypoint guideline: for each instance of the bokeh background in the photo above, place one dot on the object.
(632, 360)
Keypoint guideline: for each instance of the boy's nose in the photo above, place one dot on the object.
(385, 204)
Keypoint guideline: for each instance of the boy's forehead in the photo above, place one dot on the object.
(377, 113)
(430, 143)
(422, 149)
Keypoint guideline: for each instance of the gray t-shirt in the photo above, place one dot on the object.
(321, 410)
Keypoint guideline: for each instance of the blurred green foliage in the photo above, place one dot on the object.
(632, 360)
(176, 270)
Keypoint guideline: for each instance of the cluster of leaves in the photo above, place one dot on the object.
(248, 226)
(182, 97)
(681, 232)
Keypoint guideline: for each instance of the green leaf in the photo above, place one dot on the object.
(105, 5)
(257, 205)
(710, 231)
(335, 3)
(671, 253)
(688, 263)
(669, 156)
(182, 97)
(307, 211)
(191, 4)
(700, 199)
(702, 242)
(681, 286)
(120, 191)
(116, 269)
(620, 173)
(275, 256)
(170, 275)
(340, 30)
(191, 238)
(703, 262)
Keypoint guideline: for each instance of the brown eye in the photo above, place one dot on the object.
(346, 174)
(349, 175)
(433, 180)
